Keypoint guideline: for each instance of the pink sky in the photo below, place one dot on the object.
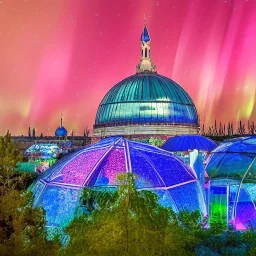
(63, 56)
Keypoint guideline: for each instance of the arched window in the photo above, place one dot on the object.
(146, 52)
(142, 52)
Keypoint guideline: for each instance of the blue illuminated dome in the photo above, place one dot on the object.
(58, 189)
(189, 142)
(61, 131)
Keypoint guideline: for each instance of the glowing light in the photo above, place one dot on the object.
(250, 93)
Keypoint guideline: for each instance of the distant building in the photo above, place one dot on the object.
(61, 131)
(146, 104)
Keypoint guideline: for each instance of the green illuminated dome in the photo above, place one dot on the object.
(146, 98)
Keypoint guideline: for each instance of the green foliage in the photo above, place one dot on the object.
(9, 153)
(22, 227)
(126, 222)
(155, 141)
(249, 237)
(216, 240)
(22, 230)
(10, 179)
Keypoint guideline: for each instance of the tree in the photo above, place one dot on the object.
(9, 157)
(203, 131)
(221, 133)
(215, 128)
(241, 128)
(34, 133)
(126, 222)
(22, 227)
(86, 138)
(251, 128)
(86, 132)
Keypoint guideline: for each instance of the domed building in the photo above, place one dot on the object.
(61, 131)
(58, 189)
(231, 168)
(186, 143)
(146, 104)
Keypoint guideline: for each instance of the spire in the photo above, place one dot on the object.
(145, 35)
(60, 119)
(146, 65)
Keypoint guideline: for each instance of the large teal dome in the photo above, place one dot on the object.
(146, 98)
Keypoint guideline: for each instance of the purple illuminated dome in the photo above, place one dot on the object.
(97, 166)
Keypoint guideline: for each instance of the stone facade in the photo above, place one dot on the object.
(153, 129)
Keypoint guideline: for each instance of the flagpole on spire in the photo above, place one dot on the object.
(60, 119)
(144, 19)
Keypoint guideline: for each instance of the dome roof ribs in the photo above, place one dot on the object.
(124, 103)
(127, 158)
(152, 165)
(87, 180)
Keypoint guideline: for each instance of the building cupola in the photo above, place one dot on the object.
(146, 65)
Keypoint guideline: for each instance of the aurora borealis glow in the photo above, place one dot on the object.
(64, 55)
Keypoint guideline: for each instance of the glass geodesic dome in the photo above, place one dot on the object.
(232, 189)
(192, 149)
(57, 190)
(46, 150)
